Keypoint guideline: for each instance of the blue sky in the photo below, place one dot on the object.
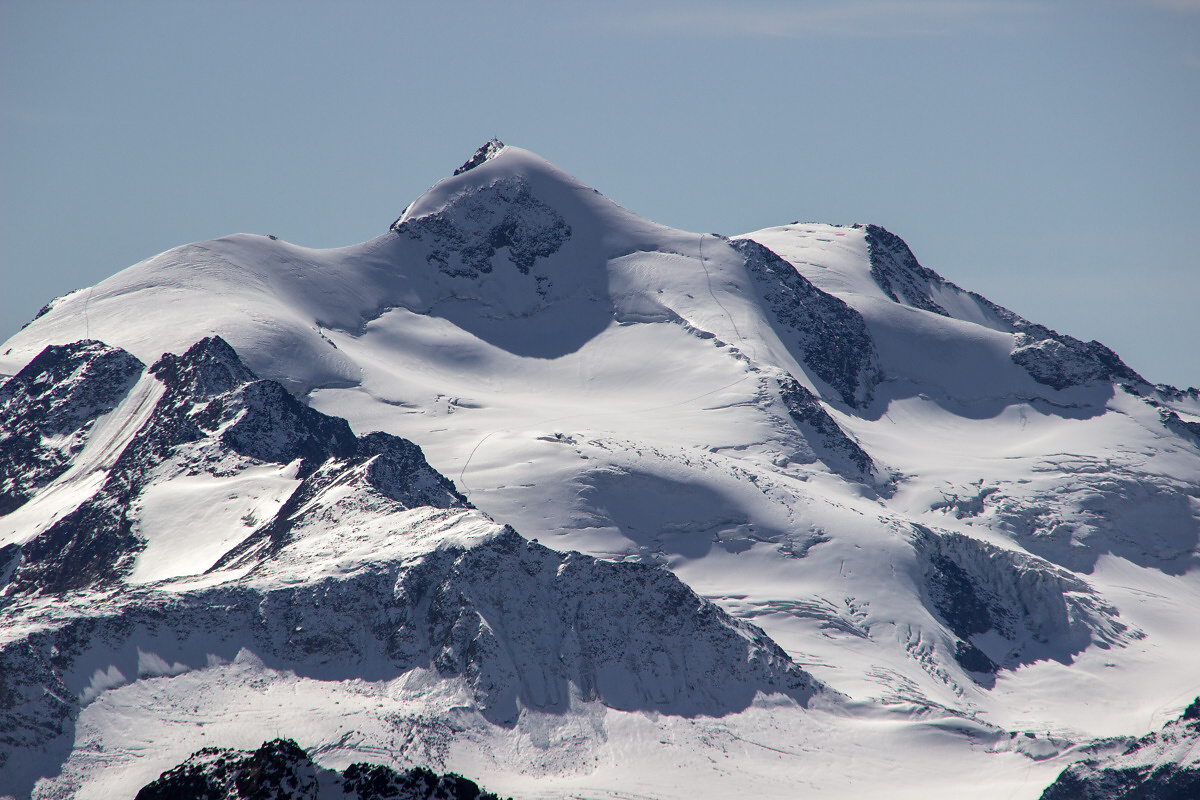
(1044, 154)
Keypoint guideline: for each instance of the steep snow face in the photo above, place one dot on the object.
(932, 505)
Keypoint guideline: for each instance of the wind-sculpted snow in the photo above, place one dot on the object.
(463, 238)
(831, 336)
(1008, 608)
(280, 770)
(48, 408)
(1162, 765)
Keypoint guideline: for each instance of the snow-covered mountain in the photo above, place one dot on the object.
(575, 504)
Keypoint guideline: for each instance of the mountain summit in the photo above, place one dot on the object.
(488, 150)
(536, 490)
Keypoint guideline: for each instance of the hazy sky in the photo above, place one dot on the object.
(1044, 154)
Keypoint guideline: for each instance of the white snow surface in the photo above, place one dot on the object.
(620, 399)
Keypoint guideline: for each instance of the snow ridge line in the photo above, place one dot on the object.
(87, 328)
(462, 472)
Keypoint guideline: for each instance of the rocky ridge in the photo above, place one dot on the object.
(1051, 358)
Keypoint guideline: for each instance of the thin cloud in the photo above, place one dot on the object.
(878, 18)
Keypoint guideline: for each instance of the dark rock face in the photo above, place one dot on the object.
(275, 427)
(206, 390)
(1060, 361)
(954, 596)
(280, 770)
(95, 542)
(829, 442)
(1192, 712)
(958, 603)
(1041, 611)
(488, 150)
(1144, 771)
(462, 239)
(48, 408)
(1050, 358)
(831, 336)
(375, 782)
(1173, 422)
(517, 619)
(972, 659)
(397, 469)
(208, 368)
(897, 272)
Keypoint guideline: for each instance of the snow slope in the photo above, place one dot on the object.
(964, 524)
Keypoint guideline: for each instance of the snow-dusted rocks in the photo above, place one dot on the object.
(463, 238)
(1008, 608)
(212, 416)
(830, 443)
(528, 627)
(280, 770)
(48, 408)
(1162, 765)
(488, 150)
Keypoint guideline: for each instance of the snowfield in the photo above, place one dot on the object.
(577, 505)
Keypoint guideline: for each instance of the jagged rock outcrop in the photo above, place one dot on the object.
(831, 337)
(1038, 610)
(829, 442)
(462, 239)
(897, 272)
(49, 407)
(281, 770)
(520, 621)
(211, 407)
(1162, 765)
(489, 149)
